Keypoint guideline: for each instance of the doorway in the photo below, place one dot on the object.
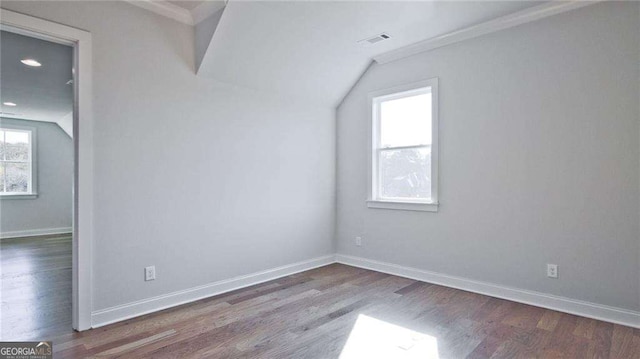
(36, 186)
(80, 124)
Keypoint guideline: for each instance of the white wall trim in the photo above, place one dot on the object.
(606, 313)
(35, 232)
(374, 99)
(166, 9)
(172, 11)
(403, 206)
(83, 149)
(118, 313)
(504, 22)
(549, 301)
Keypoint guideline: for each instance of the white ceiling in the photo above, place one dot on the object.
(309, 48)
(303, 49)
(41, 93)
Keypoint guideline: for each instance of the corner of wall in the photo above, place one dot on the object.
(638, 242)
(334, 239)
(203, 36)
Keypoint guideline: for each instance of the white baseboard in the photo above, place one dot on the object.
(134, 309)
(35, 232)
(561, 304)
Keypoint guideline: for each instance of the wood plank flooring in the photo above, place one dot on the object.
(339, 310)
(35, 278)
(329, 312)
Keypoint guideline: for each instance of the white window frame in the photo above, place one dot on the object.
(32, 192)
(374, 148)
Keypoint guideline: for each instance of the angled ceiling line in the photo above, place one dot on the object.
(208, 20)
(204, 32)
(484, 28)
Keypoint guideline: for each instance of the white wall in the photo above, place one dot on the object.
(539, 136)
(52, 209)
(204, 180)
(207, 181)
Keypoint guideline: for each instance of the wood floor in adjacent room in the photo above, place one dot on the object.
(341, 311)
(35, 283)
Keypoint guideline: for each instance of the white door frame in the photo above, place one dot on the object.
(83, 150)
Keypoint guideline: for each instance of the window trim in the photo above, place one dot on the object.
(33, 140)
(374, 128)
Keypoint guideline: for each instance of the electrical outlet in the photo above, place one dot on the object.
(150, 273)
(552, 270)
(358, 241)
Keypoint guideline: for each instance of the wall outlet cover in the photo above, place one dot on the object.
(552, 270)
(150, 273)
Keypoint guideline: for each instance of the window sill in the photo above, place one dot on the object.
(19, 196)
(404, 206)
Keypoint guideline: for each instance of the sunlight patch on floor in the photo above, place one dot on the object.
(373, 338)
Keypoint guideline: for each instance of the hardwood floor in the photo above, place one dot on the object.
(340, 310)
(35, 276)
(327, 312)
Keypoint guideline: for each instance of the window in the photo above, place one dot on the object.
(17, 162)
(404, 151)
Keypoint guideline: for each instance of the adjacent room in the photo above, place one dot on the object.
(320, 179)
(36, 186)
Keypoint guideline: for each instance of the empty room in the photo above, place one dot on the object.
(320, 179)
(36, 186)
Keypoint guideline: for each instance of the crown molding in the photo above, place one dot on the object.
(165, 8)
(504, 22)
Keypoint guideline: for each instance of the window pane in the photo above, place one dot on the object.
(17, 152)
(406, 173)
(1, 145)
(17, 177)
(16, 138)
(1, 177)
(406, 121)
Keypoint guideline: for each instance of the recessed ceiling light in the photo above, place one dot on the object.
(31, 62)
(10, 104)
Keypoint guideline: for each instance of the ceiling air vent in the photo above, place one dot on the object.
(374, 40)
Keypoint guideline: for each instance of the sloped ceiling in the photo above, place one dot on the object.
(310, 50)
(41, 93)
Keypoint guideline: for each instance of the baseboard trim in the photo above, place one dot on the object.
(135, 309)
(35, 232)
(561, 304)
